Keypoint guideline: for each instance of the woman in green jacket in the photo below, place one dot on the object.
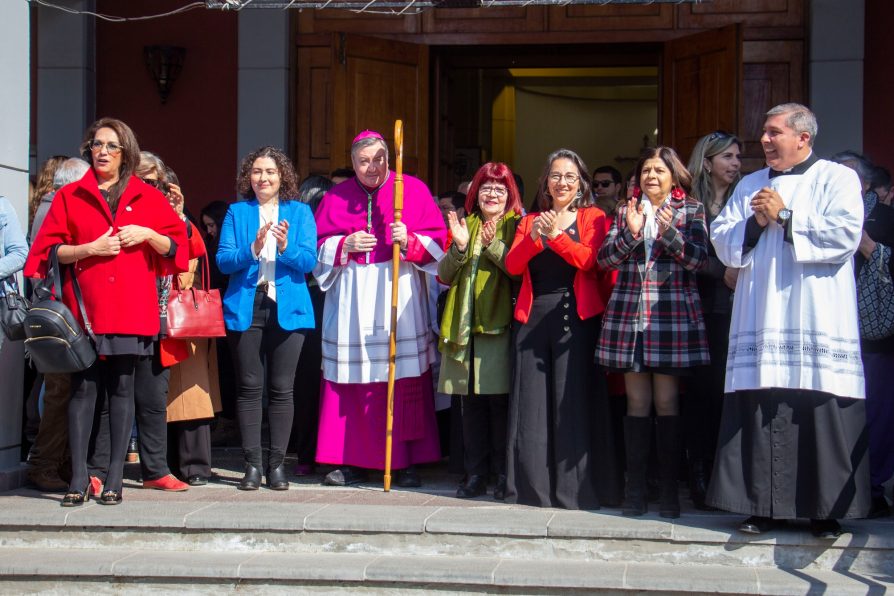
(475, 339)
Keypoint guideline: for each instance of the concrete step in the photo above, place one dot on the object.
(506, 532)
(315, 539)
(104, 571)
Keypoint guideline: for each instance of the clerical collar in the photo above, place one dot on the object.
(798, 169)
(369, 199)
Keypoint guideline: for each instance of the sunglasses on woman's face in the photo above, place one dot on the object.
(162, 186)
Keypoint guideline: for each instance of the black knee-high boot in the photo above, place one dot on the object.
(637, 436)
(669, 446)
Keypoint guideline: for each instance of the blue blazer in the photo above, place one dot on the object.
(234, 258)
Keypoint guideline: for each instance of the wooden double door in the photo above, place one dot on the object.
(349, 82)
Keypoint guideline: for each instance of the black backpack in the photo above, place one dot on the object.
(54, 338)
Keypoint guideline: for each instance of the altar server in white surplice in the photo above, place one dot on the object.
(792, 440)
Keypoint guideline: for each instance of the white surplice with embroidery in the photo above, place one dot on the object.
(794, 320)
(357, 316)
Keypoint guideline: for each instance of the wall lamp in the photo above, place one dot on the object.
(164, 64)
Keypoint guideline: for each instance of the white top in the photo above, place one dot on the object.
(650, 226)
(650, 233)
(794, 320)
(267, 256)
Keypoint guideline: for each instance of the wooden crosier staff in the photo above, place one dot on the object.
(395, 271)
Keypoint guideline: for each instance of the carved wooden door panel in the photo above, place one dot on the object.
(701, 83)
(375, 82)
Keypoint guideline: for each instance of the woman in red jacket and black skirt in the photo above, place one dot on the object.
(558, 409)
(119, 234)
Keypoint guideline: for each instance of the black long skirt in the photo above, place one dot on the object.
(560, 443)
(786, 453)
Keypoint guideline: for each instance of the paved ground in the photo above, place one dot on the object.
(439, 487)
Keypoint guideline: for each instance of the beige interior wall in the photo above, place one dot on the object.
(598, 130)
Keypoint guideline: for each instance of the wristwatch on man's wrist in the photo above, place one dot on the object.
(783, 216)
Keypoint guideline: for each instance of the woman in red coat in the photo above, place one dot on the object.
(558, 410)
(119, 234)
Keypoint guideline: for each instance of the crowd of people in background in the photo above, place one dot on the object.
(598, 343)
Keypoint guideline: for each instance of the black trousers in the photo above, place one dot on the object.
(151, 413)
(227, 379)
(99, 449)
(703, 405)
(265, 341)
(559, 444)
(484, 419)
(308, 379)
(189, 448)
(151, 401)
(111, 377)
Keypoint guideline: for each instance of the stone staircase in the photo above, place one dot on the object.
(312, 539)
(226, 545)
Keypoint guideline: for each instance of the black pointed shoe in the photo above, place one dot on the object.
(110, 497)
(76, 498)
(757, 524)
(252, 478)
(407, 478)
(500, 488)
(474, 486)
(825, 529)
(276, 478)
(345, 476)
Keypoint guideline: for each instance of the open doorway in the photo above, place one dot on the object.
(518, 105)
(464, 104)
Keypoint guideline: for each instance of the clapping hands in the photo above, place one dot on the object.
(458, 230)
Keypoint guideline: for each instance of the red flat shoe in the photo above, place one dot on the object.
(95, 487)
(167, 483)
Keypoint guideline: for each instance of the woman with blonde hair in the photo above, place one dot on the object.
(715, 165)
(43, 189)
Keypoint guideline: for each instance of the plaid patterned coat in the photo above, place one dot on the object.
(664, 286)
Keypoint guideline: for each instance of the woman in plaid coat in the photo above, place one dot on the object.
(653, 328)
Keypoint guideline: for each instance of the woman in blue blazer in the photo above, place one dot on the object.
(267, 246)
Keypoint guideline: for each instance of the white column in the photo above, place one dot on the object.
(15, 34)
(263, 108)
(836, 73)
(66, 78)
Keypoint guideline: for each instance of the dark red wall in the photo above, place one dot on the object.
(195, 131)
(878, 87)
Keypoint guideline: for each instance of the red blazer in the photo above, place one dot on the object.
(589, 285)
(119, 292)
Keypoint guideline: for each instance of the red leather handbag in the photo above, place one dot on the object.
(196, 313)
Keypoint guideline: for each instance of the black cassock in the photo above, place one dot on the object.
(791, 453)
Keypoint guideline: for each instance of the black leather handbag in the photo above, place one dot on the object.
(13, 308)
(55, 340)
